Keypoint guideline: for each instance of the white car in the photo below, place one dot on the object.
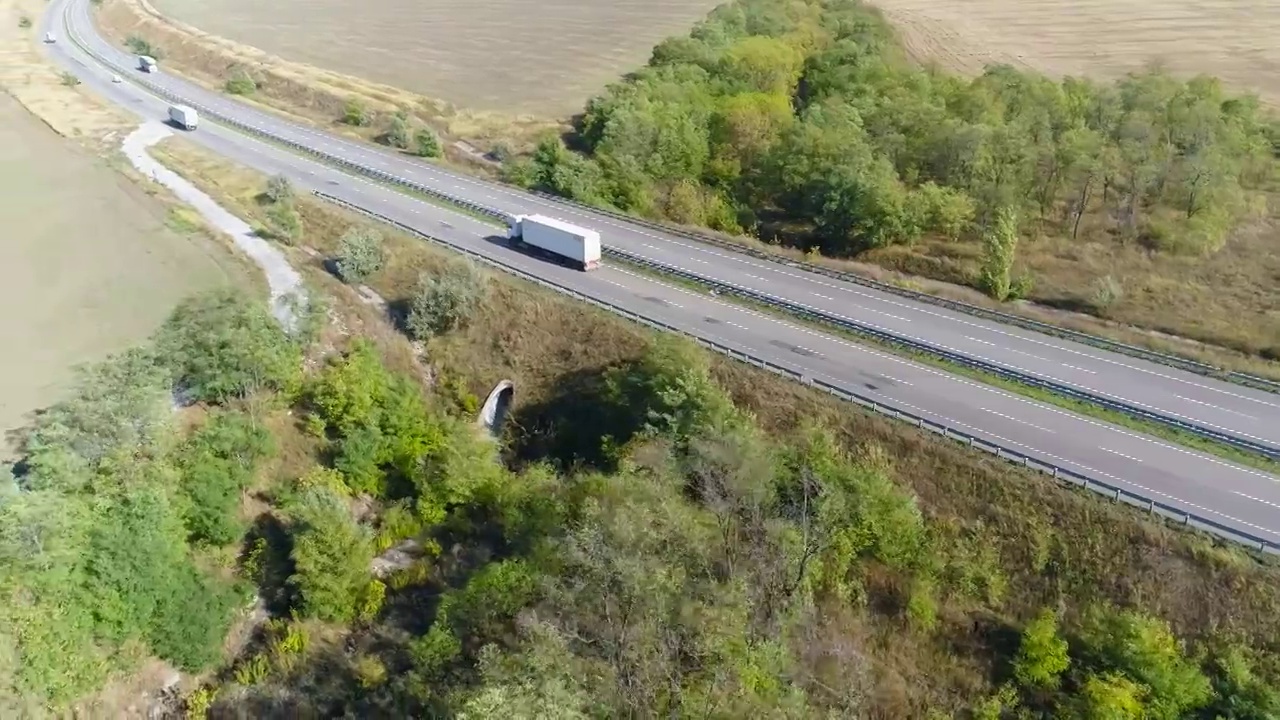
(115, 78)
(49, 38)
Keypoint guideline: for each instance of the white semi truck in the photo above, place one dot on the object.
(146, 63)
(571, 244)
(184, 117)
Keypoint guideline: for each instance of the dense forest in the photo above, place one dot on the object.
(656, 555)
(801, 119)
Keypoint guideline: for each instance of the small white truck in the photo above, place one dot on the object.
(146, 63)
(569, 244)
(184, 117)
(49, 38)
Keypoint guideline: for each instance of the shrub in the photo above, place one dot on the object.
(444, 302)
(1107, 291)
(69, 79)
(1042, 656)
(24, 22)
(426, 143)
(331, 556)
(400, 132)
(355, 114)
(279, 189)
(142, 46)
(284, 222)
(221, 345)
(241, 83)
(360, 254)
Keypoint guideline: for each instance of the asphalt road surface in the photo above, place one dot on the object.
(1236, 496)
(1245, 413)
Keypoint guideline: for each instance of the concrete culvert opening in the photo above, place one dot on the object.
(496, 407)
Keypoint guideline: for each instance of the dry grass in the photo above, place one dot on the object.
(26, 76)
(1235, 316)
(303, 91)
(1225, 302)
(543, 57)
(1232, 39)
(94, 263)
(1055, 543)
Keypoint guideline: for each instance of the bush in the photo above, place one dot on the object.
(24, 22)
(444, 302)
(1042, 656)
(279, 189)
(355, 114)
(221, 345)
(241, 83)
(142, 46)
(331, 556)
(426, 143)
(1107, 291)
(400, 132)
(360, 254)
(284, 222)
(69, 80)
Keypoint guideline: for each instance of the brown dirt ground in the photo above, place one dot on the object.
(1055, 544)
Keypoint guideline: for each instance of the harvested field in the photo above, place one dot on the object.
(94, 264)
(1232, 39)
(542, 57)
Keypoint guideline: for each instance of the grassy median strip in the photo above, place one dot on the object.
(1081, 407)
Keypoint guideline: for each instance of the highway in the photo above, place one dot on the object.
(1241, 412)
(1238, 497)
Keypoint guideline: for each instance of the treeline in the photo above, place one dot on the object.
(689, 566)
(658, 555)
(801, 117)
(111, 524)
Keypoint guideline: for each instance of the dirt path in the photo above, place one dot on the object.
(283, 282)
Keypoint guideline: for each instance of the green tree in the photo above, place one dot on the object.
(279, 189)
(444, 302)
(1042, 655)
(241, 83)
(284, 221)
(360, 254)
(536, 682)
(1109, 697)
(355, 114)
(426, 143)
(1000, 246)
(331, 556)
(1241, 692)
(400, 131)
(1144, 650)
(221, 345)
(217, 464)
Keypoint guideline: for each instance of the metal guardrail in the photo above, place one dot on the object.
(1116, 493)
(789, 306)
(1239, 378)
(950, 356)
(1102, 343)
(881, 407)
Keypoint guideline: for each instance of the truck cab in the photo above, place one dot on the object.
(146, 63)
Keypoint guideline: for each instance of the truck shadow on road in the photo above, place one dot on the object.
(530, 252)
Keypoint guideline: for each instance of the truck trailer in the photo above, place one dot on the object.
(146, 63)
(184, 117)
(569, 244)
